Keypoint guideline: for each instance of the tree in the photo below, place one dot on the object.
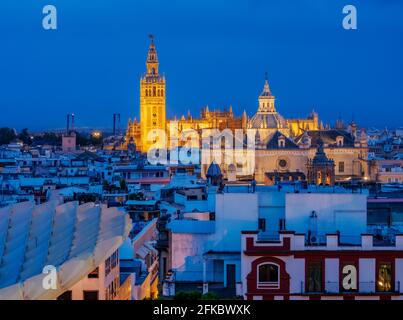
(7, 135)
(48, 138)
(82, 140)
(190, 295)
(96, 139)
(25, 137)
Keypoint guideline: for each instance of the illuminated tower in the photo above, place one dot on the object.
(152, 99)
(266, 99)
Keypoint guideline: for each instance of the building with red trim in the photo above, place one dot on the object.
(291, 269)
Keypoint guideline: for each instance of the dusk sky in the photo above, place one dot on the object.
(212, 52)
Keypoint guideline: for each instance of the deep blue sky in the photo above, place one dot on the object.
(212, 52)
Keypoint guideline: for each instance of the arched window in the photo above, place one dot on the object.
(268, 276)
(146, 93)
(154, 91)
(162, 92)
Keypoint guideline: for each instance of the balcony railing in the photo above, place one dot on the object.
(369, 287)
(268, 236)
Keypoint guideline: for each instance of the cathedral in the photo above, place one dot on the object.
(153, 116)
(286, 149)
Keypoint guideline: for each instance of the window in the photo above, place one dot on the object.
(339, 141)
(164, 266)
(314, 277)
(94, 274)
(107, 266)
(282, 163)
(262, 224)
(90, 295)
(114, 259)
(112, 290)
(384, 279)
(282, 224)
(341, 166)
(65, 296)
(268, 276)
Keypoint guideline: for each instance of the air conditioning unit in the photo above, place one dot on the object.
(314, 239)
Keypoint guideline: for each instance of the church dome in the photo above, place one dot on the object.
(271, 120)
(266, 116)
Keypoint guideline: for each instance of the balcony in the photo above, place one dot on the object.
(364, 288)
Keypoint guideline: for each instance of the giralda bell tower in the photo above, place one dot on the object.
(152, 99)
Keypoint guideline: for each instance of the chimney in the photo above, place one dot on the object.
(114, 124)
(68, 124)
(72, 121)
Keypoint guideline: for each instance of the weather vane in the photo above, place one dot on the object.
(151, 36)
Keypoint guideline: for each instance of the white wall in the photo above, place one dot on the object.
(336, 211)
(95, 284)
(296, 269)
(272, 209)
(332, 275)
(367, 275)
(235, 212)
(187, 255)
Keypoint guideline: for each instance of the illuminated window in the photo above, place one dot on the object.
(384, 281)
(268, 276)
